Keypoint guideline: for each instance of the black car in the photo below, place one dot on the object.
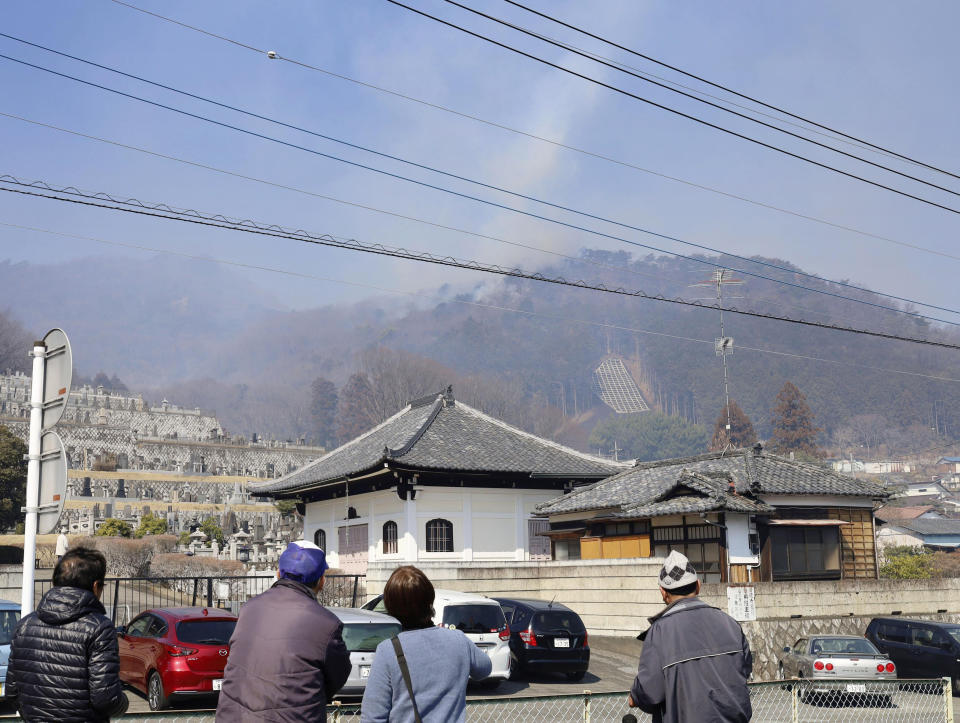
(546, 637)
(919, 648)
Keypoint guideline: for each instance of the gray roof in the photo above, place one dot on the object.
(440, 433)
(751, 472)
(924, 526)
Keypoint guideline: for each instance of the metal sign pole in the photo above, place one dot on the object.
(33, 477)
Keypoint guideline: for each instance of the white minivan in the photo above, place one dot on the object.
(478, 617)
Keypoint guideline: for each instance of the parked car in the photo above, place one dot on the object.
(9, 617)
(919, 648)
(480, 618)
(546, 637)
(838, 657)
(363, 631)
(179, 652)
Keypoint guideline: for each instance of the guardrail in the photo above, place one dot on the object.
(793, 701)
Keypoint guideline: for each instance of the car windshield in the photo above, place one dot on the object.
(8, 623)
(841, 646)
(365, 637)
(206, 632)
(953, 633)
(474, 618)
(557, 621)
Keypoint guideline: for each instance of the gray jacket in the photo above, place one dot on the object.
(694, 666)
(287, 658)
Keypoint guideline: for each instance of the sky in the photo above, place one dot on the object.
(880, 71)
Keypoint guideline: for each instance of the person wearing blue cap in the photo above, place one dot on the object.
(287, 655)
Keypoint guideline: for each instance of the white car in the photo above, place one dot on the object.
(363, 631)
(478, 617)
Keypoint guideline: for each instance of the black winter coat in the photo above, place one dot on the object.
(64, 664)
(287, 659)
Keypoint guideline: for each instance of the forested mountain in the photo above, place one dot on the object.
(522, 349)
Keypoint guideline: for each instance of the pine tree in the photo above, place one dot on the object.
(323, 410)
(741, 433)
(355, 400)
(793, 429)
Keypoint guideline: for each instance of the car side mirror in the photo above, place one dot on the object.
(121, 631)
(786, 649)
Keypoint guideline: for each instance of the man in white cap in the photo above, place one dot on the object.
(287, 655)
(695, 659)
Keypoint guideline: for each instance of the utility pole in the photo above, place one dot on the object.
(616, 451)
(723, 345)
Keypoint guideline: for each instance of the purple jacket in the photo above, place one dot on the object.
(287, 658)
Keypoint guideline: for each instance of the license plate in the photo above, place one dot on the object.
(218, 683)
(856, 687)
(364, 671)
(561, 642)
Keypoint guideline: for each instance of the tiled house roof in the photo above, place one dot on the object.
(753, 473)
(440, 433)
(930, 526)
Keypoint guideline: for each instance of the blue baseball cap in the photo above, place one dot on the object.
(304, 562)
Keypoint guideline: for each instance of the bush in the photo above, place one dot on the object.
(112, 527)
(151, 525)
(190, 566)
(130, 558)
(903, 562)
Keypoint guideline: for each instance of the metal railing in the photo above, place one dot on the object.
(126, 597)
(792, 701)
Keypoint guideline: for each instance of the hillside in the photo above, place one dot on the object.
(216, 340)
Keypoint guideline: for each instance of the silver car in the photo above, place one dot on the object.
(849, 658)
(363, 631)
(9, 617)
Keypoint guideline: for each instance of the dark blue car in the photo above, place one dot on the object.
(545, 637)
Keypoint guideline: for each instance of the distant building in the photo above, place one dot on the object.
(942, 534)
(891, 514)
(850, 466)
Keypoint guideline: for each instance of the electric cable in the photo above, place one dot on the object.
(533, 136)
(694, 118)
(482, 184)
(165, 211)
(726, 89)
(475, 304)
(577, 259)
(624, 69)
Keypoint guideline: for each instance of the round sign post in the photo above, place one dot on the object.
(53, 482)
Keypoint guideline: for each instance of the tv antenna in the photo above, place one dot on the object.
(724, 344)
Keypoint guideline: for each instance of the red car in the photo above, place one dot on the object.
(175, 652)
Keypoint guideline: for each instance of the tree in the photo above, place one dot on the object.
(184, 538)
(741, 432)
(285, 507)
(211, 528)
(323, 410)
(13, 478)
(354, 402)
(151, 525)
(112, 527)
(793, 429)
(649, 436)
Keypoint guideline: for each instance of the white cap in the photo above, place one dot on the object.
(677, 571)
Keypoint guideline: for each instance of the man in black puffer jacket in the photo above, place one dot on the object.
(64, 664)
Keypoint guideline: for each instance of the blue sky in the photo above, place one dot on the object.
(883, 71)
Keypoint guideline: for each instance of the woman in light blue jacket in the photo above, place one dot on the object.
(439, 661)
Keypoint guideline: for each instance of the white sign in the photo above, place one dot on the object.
(741, 603)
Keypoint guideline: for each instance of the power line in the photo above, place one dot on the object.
(477, 304)
(727, 89)
(771, 126)
(688, 116)
(482, 184)
(164, 211)
(374, 209)
(534, 136)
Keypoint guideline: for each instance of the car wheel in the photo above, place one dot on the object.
(781, 675)
(576, 675)
(515, 667)
(491, 683)
(155, 694)
(956, 686)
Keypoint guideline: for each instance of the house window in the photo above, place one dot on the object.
(320, 539)
(567, 549)
(805, 552)
(439, 536)
(390, 538)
